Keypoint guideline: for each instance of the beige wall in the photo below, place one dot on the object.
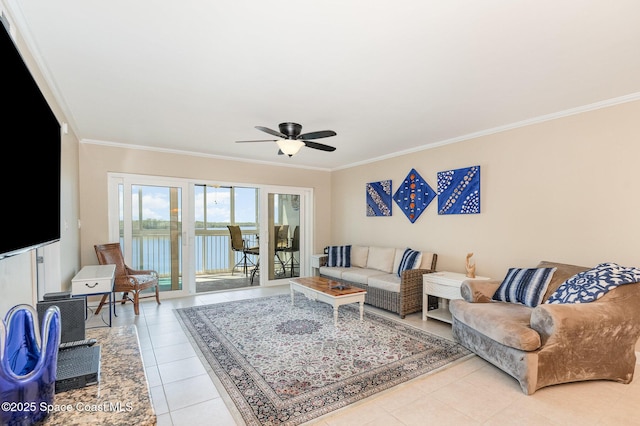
(97, 160)
(563, 190)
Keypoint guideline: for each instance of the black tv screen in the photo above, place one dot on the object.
(31, 144)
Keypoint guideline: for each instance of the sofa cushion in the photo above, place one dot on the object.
(504, 322)
(590, 285)
(409, 260)
(381, 258)
(339, 256)
(427, 261)
(333, 271)
(359, 256)
(389, 282)
(359, 275)
(524, 285)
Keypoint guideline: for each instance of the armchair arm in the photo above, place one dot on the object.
(597, 324)
(411, 291)
(141, 271)
(412, 278)
(479, 291)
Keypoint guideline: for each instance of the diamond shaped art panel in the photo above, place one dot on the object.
(414, 195)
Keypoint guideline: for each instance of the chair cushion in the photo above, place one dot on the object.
(503, 322)
(524, 285)
(339, 256)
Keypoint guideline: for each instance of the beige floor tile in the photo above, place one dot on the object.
(203, 414)
(164, 419)
(187, 392)
(181, 369)
(430, 411)
(176, 352)
(159, 400)
(153, 376)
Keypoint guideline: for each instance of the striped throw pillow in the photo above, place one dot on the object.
(408, 261)
(524, 285)
(339, 256)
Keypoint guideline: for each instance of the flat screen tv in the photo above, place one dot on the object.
(30, 170)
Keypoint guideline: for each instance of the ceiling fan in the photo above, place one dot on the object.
(292, 140)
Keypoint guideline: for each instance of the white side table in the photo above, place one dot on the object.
(317, 260)
(94, 280)
(446, 286)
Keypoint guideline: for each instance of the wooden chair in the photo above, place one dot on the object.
(127, 280)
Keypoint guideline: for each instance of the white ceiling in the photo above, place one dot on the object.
(388, 77)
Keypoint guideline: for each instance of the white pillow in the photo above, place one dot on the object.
(359, 256)
(381, 258)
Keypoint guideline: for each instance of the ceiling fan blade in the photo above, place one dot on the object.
(272, 132)
(320, 146)
(317, 135)
(259, 140)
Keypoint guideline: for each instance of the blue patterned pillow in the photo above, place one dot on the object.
(524, 285)
(408, 261)
(591, 285)
(339, 256)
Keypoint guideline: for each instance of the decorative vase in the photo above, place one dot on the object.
(28, 364)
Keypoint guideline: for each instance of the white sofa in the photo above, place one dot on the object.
(375, 270)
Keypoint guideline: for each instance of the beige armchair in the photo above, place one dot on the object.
(551, 343)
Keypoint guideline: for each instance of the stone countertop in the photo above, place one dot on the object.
(121, 397)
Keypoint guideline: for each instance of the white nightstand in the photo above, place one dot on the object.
(446, 286)
(317, 260)
(94, 280)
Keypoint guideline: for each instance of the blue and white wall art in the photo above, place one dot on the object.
(414, 195)
(459, 191)
(379, 198)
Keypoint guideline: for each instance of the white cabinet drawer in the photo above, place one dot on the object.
(93, 279)
(442, 290)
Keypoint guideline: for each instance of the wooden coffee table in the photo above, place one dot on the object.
(328, 291)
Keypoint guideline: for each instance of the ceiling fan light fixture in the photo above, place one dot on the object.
(290, 147)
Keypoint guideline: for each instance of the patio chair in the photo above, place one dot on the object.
(291, 261)
(238, 245)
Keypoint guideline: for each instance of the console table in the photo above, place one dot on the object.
(122, 395)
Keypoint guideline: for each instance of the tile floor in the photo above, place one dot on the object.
(472, 392)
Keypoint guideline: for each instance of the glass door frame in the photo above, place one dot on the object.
(128, 180)
(306, 230)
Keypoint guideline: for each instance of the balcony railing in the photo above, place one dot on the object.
(213, 254)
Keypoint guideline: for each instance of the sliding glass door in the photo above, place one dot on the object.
(150, 227)
(284, 247)
(180, 229)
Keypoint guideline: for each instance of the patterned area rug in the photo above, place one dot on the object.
(285, 365)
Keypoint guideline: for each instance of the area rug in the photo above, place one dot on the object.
(285, 364)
